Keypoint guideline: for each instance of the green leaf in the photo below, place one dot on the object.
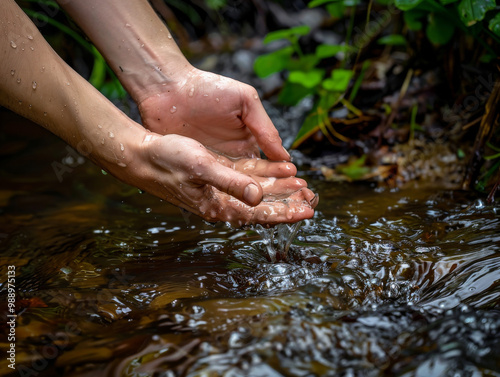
(289, 34)
(216, 4)
(273, 62)
(292, 93)
(407, 4)
(317, 3)
(412, 19)
(339, 80)
(304, 63)
(307, 79)
(355, 169)
(392, 40)
(326, 51)
(494, 24)
(446, 2)
(471, 11)
(336, 10)
(439, 29)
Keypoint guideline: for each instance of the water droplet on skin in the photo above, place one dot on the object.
(12, 72)
(169, 36)
(122, 148)
(18, 81)
(32, 48)
(13, 44)
(67, 83)
(102, 141)
(191, 92)
(43, 69)
(121, 164)
(173, 109)
(255, 96)
(20, 102)
(111, 134)
(22, 49)
(217, 99)
(127, 25)
(99, 126)
(30, 37)
(45, 114)
(34, 85)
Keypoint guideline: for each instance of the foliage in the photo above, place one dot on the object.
(305, 75)
(101, 76)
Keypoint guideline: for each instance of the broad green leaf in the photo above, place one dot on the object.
(336, 10)
(307, 79)
(439, 29)
(317, 3)
(494, 24)
(412, 19)
(273, 62)
(339, 80)
(289, 34)
(392, 40)
(471, 11)
(304, 63)
(407, 4)
(292, 93)
(326, 51)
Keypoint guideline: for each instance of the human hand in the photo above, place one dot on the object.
(185, 173)
(223, 114)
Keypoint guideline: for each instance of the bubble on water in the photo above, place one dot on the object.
(12, 72)
(122, 164)
(13, 44)
(34, 85)
(173, 109)
(122, 148)
(111, 135)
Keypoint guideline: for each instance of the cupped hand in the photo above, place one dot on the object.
(223, 114)
(185, 173)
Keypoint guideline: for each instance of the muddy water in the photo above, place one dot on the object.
(111, 282)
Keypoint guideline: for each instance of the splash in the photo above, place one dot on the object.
(277, 240)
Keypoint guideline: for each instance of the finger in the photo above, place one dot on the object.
(232, 182)
(256, 119)
(265, 168)
(281, 187)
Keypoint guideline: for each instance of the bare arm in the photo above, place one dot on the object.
(173, 96)
(36, 83)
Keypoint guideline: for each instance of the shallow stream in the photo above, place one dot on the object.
(110, 282)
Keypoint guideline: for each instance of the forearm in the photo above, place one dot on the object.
(135, 42)
(37, 84)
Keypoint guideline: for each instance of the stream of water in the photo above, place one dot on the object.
(110, 282)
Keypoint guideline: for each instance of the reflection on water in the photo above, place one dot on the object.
(110, 282)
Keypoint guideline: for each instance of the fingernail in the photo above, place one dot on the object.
(251, 195)
(314, 202)
(288, 154)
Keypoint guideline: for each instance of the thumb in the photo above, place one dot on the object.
(234, 183)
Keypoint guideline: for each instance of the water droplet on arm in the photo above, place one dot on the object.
(111, 134)
(12, 72)
(18, 81)
(34, 85)
(122, 148)
(13, 44)
(30, 37)
(173, 109)
(191, 91)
